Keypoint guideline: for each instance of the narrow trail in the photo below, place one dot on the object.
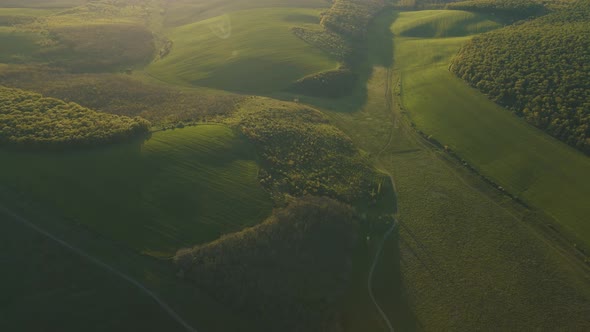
(372, 270)
(103, 265)
(389, 103)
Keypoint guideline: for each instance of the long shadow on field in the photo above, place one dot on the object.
(389, 288)
(377, 52)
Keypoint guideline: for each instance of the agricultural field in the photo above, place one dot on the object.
(179, 187)
(395, 197)
(522, 159)
(447, 216)
(53, 281)
(250, 51)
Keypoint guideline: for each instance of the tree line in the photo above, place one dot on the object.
(539, 70)
(343, 35)
(511, 9)
(31, 120)
(290, 272)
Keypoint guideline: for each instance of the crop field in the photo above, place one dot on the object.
(463, 257)
(179, 188)
(64, 292)
(246, 51)
(522, 159)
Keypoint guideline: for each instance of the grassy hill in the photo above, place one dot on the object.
(251, 51)
(522, 159)
(182, 12)
(180, 187)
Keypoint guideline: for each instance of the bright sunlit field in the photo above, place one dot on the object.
(521, 158)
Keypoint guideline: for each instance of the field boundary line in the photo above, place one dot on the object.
(372, 270)
(163, 305)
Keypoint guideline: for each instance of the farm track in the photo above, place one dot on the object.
(163, 305)
(389, 103)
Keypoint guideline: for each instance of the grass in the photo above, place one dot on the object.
(17, 46)
(189, 11)
(65, 292)
(25, 11)
(464, 258)
(256, 53)
(544, 172)
(179, 188)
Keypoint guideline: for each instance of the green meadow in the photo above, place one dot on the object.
(542, 171)
(465, 256)
(250, 51)
(178, 188)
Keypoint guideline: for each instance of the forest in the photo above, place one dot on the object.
(28, 119)
(303, 154)
(344, 32)
(289, 271)
(539, 70)
(351, 18)
(511, 9)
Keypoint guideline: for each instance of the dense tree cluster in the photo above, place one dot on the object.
(511, 9)
(121, 95)
(539, 69)
(345, 27)
(330, 42)
(29, 119)
(351, 18)
(290, 272)
(303, 154)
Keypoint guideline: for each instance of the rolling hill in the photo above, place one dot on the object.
(250, 51)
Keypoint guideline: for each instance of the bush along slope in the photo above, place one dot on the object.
(539, 70)
(509, 9)
(343, 35)
(28, 119)
(303, 154)
(290, 272)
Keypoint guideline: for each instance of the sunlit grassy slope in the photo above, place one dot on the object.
(247, 51)
(179, 188)
(66, 292)
(544, 172)
(181, 12)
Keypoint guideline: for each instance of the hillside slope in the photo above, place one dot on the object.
(289, 271)
(539, 70)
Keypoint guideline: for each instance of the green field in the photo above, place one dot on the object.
(527, 162)
(246, 51)
(464, 257)
(65, 292)
(179, 188)
(183, 12)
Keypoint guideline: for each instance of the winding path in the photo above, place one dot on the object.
(103, 265)
(389, 103)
